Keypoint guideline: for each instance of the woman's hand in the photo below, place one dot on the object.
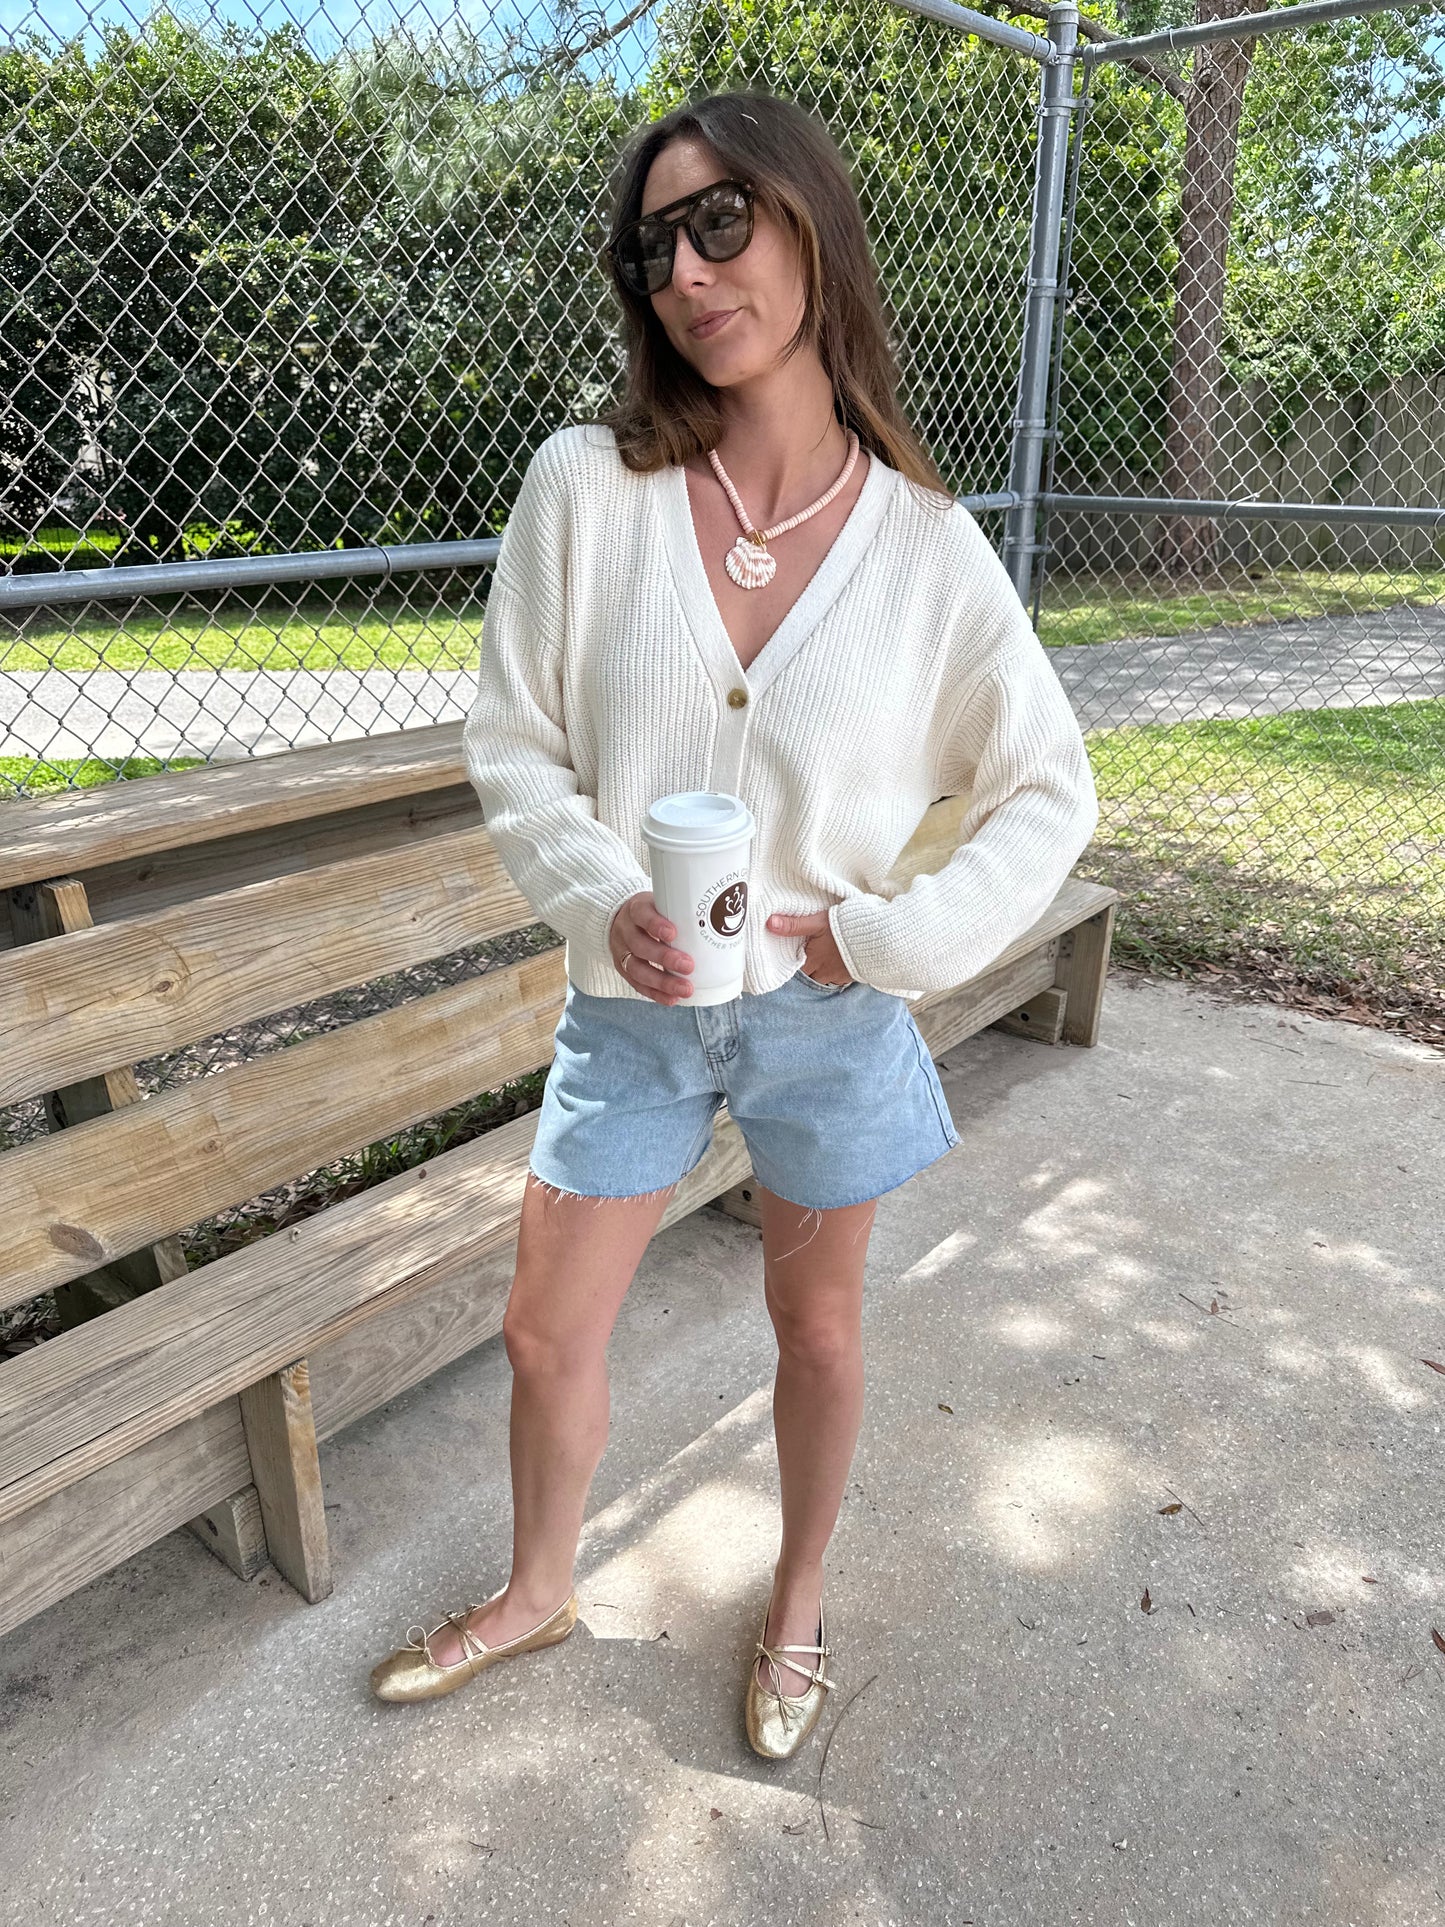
(823, 960)
(641, 942)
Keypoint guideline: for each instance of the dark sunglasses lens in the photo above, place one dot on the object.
(723, 223)
(644, 256)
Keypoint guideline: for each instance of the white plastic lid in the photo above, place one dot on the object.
(701, 820)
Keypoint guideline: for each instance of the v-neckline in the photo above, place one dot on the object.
(709, 631)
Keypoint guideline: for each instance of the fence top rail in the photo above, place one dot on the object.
(1426, 516)
(51, 588)
(1000, 32)
(1243, 26)
(80, 830)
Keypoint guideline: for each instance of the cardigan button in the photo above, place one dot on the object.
(737, 697)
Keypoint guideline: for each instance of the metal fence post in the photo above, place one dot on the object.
(1031, 426)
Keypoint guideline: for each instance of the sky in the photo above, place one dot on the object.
(326, 24)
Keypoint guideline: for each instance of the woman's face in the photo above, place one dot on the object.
(762, 286)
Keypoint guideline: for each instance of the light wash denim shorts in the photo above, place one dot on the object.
(831, 1085)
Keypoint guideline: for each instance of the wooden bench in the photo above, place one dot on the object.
(144, 917)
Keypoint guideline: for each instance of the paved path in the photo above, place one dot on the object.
(1394, 656)
(1012, 1740)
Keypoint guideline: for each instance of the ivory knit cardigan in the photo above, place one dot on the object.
(906, 670)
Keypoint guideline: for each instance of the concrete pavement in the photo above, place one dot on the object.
(1195, 1265)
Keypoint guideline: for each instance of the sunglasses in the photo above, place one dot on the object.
(719, 223)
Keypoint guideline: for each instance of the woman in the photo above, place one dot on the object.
(747, 578)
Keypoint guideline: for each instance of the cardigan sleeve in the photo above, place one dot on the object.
(574, 871)
(1013, 739)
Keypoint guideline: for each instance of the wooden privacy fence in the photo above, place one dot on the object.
(146, 916)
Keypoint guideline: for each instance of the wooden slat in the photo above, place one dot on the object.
(44, 914)
(101, 1390)
(119, 992)
(129, 1503)
(138, 885)
(70, 1202)
(946, 1017)
(281, 1445)
(60, 835)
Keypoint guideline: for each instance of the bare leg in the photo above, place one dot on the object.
(576, 1258)
(813, 1285)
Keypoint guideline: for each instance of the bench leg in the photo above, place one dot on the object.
(1082, 965)
(281, 1439)
(234, 1532)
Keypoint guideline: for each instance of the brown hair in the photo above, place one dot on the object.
(668, 413)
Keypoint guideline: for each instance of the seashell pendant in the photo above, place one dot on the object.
(749, 564)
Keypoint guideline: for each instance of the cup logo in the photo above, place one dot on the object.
(728, 909)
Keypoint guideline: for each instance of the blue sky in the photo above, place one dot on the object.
(325, 25)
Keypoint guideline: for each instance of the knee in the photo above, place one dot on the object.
(815, 1340)
(534, 1345)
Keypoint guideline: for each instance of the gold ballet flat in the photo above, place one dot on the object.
(778, 1723)
(410, 1673)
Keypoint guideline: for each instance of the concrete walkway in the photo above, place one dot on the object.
(1258, 669)
(1195, 1265)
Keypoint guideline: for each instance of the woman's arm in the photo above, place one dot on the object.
(573, 870)
(1014, 740)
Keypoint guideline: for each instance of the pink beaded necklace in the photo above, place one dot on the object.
(748, 561)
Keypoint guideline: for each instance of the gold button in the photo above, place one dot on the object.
(737, 697)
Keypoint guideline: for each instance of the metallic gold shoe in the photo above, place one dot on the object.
(778, 1723)
(412, 1674)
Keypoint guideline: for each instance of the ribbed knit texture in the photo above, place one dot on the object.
(907, 670)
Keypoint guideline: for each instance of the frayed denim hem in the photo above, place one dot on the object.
(602, 1197)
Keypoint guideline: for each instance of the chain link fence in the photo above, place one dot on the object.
(286, 311)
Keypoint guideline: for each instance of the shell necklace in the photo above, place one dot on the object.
(748, 561)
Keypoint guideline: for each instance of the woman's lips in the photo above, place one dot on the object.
(710, 327)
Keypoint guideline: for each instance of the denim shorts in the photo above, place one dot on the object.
(831, 1085)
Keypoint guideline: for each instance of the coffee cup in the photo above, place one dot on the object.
(700, 845)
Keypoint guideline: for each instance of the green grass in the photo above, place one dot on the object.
(1114, 608)
(369, 631)
(1307, 847)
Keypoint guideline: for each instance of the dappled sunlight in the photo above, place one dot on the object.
(1338, 1571)
(1031, 1330)
(710, 1542)
(1172, 1336)
(1391, 1377)
(1076, 1219)
(937, 1258)
(1299, 1356)
(1038, 1494)
(1344, 1254)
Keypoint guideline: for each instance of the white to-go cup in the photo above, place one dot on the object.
(700, 843)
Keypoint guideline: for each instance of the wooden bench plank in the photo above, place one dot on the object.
(138, 885)
(93, 1393)
(115, 993)
(61, 835)
(71, 1202)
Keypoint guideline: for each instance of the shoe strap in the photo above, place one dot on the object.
(473, 1647)
(774, 1656)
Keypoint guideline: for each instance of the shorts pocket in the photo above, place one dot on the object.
(800, 976)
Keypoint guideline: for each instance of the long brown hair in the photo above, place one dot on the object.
(668, 413)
